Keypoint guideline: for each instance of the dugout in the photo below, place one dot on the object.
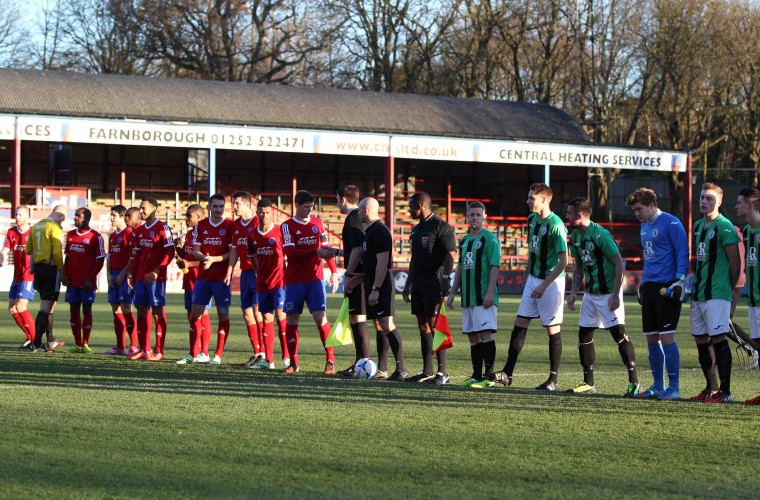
(112, 134)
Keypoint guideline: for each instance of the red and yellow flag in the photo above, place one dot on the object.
(442, 332)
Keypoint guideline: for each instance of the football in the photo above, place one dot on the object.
(365, 369)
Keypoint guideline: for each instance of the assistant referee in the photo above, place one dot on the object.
(45, 245)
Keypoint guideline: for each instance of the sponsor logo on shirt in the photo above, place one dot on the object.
(264, 251)
(212, 241)
(242, 241)
(76, 247)
(307, 240)
(146, 243)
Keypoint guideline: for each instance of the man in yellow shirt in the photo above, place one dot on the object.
(45, 245)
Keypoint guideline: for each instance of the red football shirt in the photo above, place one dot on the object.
(151, 246)
(300, 241)
(268, 250)
(82, 250)
(214, 240)
(240, 232)
(120, 248)
(188, 279)
(15, 241)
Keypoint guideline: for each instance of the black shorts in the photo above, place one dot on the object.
(356, 303)
(47, 281)
(426, 295)
(386, 300)
(658, 314)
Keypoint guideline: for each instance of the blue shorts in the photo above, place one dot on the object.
(120, 294)
(151, 296)
(204, 290)
(248, 294)
(79, 295)
(189, 301)
(21, 290)
(313, 293)
(269, 301)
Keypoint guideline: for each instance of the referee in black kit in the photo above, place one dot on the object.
(433, 246)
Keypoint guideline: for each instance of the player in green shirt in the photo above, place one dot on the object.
(716, 272)
(598, 259)
(477, 274)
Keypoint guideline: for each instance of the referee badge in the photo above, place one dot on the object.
(364, 246)
(424, 241)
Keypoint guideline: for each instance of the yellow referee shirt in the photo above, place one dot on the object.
(45, 244)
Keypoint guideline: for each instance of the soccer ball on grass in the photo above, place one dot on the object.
(365, 369)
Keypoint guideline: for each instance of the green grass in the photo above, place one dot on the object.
(82, 426)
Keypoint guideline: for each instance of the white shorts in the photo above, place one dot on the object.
(549, 307)
(595, 311)
(710, 317)
(754, 322)
(479, 319)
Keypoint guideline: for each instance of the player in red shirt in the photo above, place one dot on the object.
(154, 249)
(85, 254)
(189, 265)
(212, 239)
(132, 219)
(265, 251)
(302, 236)
(119, 293)
(244, 226)
(22, 286)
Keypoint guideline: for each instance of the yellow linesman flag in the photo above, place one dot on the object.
(341, 329)
(442, 335)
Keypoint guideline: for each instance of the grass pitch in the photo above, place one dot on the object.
(88, 426)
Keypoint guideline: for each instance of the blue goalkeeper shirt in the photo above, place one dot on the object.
(666, 249)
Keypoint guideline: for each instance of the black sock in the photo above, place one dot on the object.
(441, 358)
(515, 346)
(382, 350)
(397, 346)
(476, 354)
(489, 355)
(40, 325)
(426, 347)
(555, 354)
(361, 339)
(357, 340)
(723, 362)
(627, 354)
(707, 362)
(587, 353)
(49, 329)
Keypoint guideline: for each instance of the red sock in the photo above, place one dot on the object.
(222, 331)
(161, 332)
(20, 323)
(205, 333)
(269, 341)
(129, 321)
(86, 327)
(291, 333)
(260, 328)
(119, 327)
(196, 332)
(281, 327)
(324, 332)
(75, 320)
(140, 332)
(253, 336)
(28, 322)
(144, 327)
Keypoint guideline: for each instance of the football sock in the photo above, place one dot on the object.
(555, 354)
(27, 320)
(426, 346)
(361, 338)
(205, 333)
(723, 362)
(260, 337)
(144, 327)
(324, 332)
(86, 327)
(129, 321)
(196, 332)
(119, 328)
(627, 354)
(357, 341)
(707, 363)
(253, 336)
(40, 326)
(657, 364)
(489, 355)
(283, 339)
(161, 331)
(291, 332)
(441, 358)
(516, 343)
(587, 353)
(49, 328)
(396, 346)
(75, 320)
(476, 354)
(222, 332)
(269, 341)
(20, 323)
(673, 364)
(383, 345)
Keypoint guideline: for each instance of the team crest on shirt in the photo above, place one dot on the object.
(590, 245)
(86, 241)
(757, 239)
(711, 235)
(655, 232)
(478, 245)
(543, 231)
(118, 240)
(364, 246)
(250, 229)
(222, 232)
(314, 229)
(152, 234)
(270, 241)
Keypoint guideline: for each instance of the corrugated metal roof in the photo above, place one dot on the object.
(162, 99)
